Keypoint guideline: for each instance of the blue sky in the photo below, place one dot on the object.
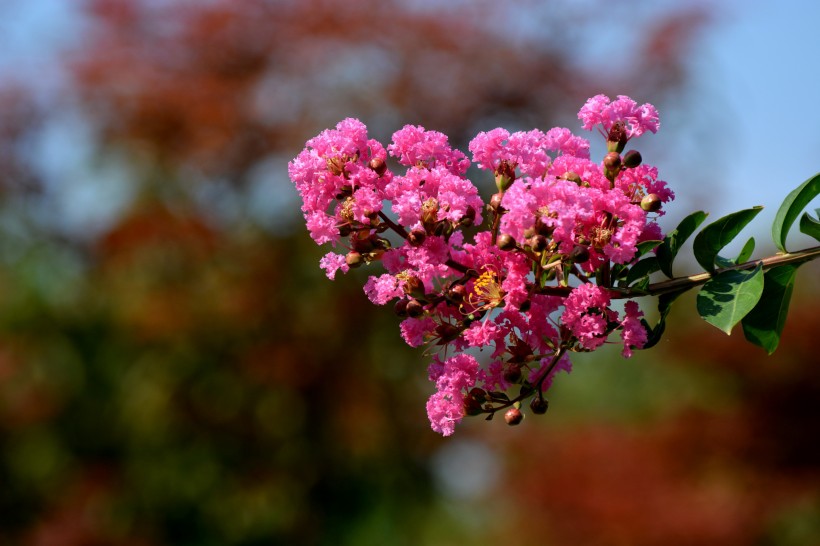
(755, 71)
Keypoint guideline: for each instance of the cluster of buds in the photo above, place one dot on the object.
(500, 311)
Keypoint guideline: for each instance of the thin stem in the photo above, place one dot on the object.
(685, 283)
(394, 226)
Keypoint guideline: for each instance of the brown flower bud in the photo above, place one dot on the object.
(378, 165)
(471, 405)
(632, 159)
(651, 203)
(612, 161)
(401, 308)
(505, 241)
(539, 405)
(513, 416)
(579, 254)
(538, 243)
(416, 237)
(456, 293)
(414, 308)
(354, 259)
(513, 373)
(573, 177)
(495, 202)
(468, 218)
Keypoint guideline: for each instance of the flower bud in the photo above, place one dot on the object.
(354, 259)
(513, 373)
(345, 230)
(538, 243)
(400, 308)
(612, 161)
(616, 138)
(579, 254)
(414, 308)
(651, 203)
(539, 405)
(632, 159)
(378, 165)
(471, 405)
(478, 394)
(573, 177)
(505, 241)
(513, 416)
(469, 217)
(495, 202)
(456, 293)
(416, 238)
(504, 175)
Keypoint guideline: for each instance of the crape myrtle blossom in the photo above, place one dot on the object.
(502, 306)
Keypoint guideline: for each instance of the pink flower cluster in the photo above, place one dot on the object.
(537, 279)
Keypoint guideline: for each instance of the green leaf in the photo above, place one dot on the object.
(795, 202)
(745, 254)
(729, 296)
(642, 269)
(674, 240)
(720, 233)
(645, 246)
(664, 306)
(764, 324)
(810, 226)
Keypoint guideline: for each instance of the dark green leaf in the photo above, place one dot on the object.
(729, 296)
(810, 226)
(795, 202)
(642, 269)
(764, 324)
(745, 254)
(718, 234)
(664, 306)
(674, 240)
(646, 246)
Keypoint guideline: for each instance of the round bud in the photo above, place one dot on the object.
(573, 177)
(612, 161)
(538, 243)
(401, 308)
(345, 230)
(505, 241)
(513, 416)
(416, 237)
(513, 373)
(539, 405)
(651, 203)
(495, 201)
(354, 259)
(414, 308)
(632, 159)
(378, 165)
(579, 254)
(471, 405)
(478, 394)
(456, 293)
(468, 218)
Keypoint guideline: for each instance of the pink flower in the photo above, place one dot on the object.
(382, 289)
(633, 332)
(455, 375)
(587, 314)
(637, 119)
(332, 262)
(334, 163)
(414, 146)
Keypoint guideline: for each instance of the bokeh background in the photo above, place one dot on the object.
(175, 369)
